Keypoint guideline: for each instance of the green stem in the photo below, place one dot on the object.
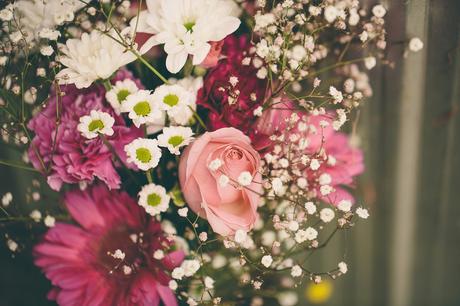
(195, 114)
(149, 176)
(4, 210)
(107, 84)
(16, 165)
(144, 61)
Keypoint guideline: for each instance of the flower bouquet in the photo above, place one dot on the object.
(191, 152)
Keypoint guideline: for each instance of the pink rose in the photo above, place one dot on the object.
(228, 207)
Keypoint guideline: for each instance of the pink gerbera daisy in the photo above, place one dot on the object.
(107, 259)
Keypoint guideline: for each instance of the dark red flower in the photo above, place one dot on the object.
(232, 91)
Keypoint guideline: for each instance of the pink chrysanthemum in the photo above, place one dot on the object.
(68, 156)
(107, 259)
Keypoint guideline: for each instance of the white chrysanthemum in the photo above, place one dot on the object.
(96, 123)
(143, 152)
(177, 101)
(175, 137)
(154, 199)
(142, 108)
(119, 92)
(94, 56)
(186, 27)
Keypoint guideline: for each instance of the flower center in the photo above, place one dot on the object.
(142, 108)
(122, 95)
(153, 199)
(171, 100)
(95, 125)
(176, 140)
(189, 26)
(235, 154)
(143, 155)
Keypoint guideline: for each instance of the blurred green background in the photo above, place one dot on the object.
(408, 253)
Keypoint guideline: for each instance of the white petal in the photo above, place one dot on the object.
(200, 54)
(149, 44)
(228, 26)
(175, 62)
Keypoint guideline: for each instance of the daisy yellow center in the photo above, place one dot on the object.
(176, 140)
(96, 125)
(122, 95)
(153, 199)
(189, 25)
(143, 155)
(171, 100)
(142, 108)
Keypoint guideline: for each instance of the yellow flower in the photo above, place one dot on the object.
(319, 293)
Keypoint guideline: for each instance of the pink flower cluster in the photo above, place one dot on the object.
(68, 156)
(107, 258)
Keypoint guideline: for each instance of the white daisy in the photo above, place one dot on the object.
(144, 153)
(119, 92)
(94, 56)
(142, 108)
(176, 101)
(154, 199)
(175, 137)
(96, 123)
(186, 27)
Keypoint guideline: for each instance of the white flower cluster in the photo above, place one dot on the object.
(187, 269)
(290, 47)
